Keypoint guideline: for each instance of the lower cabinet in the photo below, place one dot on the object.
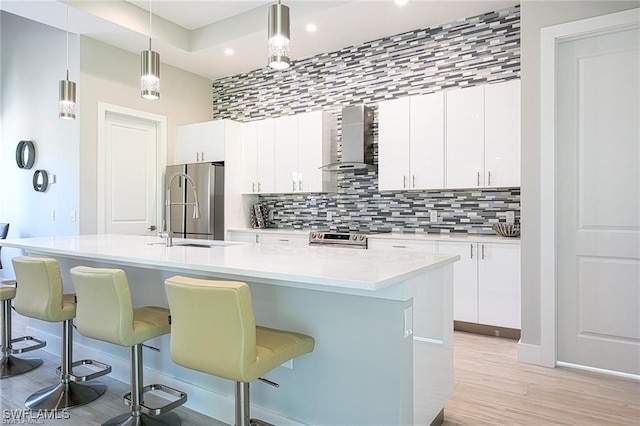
(388, 244)
(486, 288)
(268, 237)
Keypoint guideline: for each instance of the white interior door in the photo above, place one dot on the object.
(598, 200)
(130, 175)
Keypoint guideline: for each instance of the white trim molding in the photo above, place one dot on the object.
(549, 39)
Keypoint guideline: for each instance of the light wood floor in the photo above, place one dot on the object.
(491, 388)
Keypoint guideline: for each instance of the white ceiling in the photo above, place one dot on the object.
(193, 34)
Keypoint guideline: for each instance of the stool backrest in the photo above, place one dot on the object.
(39, 289)
(213, 328)
(104, 306)
(4, 231)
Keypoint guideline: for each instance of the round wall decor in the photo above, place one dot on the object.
(40, 180)
(25, 154)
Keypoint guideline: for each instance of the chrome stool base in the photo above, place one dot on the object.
(12, 366)
(129, 419)
(65, 395)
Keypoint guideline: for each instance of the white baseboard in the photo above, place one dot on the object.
(598, 370)
(200, 399)
(529, 354)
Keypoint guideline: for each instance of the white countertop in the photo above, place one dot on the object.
(320, 266)
(480, 238)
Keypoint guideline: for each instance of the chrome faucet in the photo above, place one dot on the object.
(168, 204)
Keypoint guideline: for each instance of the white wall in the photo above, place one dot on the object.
(534, 16)
(33, 62)
(112, 75)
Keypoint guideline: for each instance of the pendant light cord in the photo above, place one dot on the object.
(67, 39)
(150, 15)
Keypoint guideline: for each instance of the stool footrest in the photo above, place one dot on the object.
(182, 398)
(103, 369)
(38, 344)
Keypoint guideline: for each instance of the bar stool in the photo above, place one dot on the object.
(105, 312)
(39, 295)
(10, 365)
(213, 330)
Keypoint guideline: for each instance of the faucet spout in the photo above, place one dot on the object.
(168, 204)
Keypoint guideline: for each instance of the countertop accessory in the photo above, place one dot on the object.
(25, 154)
(259, 216)
(510, 230)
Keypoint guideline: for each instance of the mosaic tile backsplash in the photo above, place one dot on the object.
(477, 50)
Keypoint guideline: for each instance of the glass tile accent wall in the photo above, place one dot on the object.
(477, 50)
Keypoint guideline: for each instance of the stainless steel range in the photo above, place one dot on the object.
(338, 239)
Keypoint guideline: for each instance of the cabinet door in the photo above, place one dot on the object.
(265, 163)
(250, 157)
(426, 162)
(465, 138)
(393, 144)
(465, 279)
(499, 285)
(189, 143)
(400, 244)
(285, 239)
(310, 135)
(286, 154)
(502, 134)
(213, 137)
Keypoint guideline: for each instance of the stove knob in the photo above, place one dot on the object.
(354, 237)
(361, 237)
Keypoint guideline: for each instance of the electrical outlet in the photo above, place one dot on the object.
(511, 217)
(408, 321)
(329, 215)
(72, 215)
(53, 215)
(433, 216)
(270, 214)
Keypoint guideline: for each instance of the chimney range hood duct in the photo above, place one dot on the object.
(357, 139)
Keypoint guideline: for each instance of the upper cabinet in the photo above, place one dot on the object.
(483, 136)
(258, 157)
(411, 143)
(202, 142)
(465, 138)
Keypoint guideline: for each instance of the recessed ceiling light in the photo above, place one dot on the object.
(401, 2)
(228, 51)
(311, 28)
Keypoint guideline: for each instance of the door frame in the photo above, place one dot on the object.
(550, 37)
(104, 109)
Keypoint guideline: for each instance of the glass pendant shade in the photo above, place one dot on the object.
(278, 36)
(67, 103)
(150, 75)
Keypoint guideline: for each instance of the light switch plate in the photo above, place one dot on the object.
(433, 216)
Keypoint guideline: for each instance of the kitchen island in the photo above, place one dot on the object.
(382, 322)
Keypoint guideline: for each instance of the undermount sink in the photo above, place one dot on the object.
(194, 245)
(209, 244)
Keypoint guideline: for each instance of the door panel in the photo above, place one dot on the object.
(427, 141)
(286, 154)
(393, 144)
(598, 222)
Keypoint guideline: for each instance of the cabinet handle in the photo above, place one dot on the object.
(489, 179)
(482, 255)
(414, 181)
(201, 155)
(283, 241)
(399, 246)
(404, 181)
(299, 185)
(258, 186)
(253, 187)
(478, 178)
(471, 245)
(257, 238)
(294, 185)
(197, 156)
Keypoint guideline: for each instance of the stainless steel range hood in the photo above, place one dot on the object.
(357, 139)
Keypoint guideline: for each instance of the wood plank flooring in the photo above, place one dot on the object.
(491, 388)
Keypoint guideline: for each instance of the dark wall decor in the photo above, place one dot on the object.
(477, 50)
(25, 154)
(40, 180)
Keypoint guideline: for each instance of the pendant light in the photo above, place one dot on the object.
(67, 102)
(278, 36)
(150, 75)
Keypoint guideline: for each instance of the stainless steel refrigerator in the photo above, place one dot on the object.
(209, 181)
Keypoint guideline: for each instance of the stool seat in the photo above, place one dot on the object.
(40, 295)
(106, 312)
(214, 331)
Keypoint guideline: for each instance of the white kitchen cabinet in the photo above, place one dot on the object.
(301, 147)
(465, 279)
(202, 142)
(483, 136)
(502, 134)
(285, 239)
(402, 244)
(258, 157)
(243, 236)
(411, 143)
(486, 282)
(499, 285)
